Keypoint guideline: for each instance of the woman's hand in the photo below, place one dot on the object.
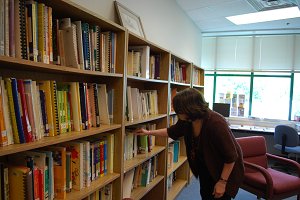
(141, 131)
(219, 189)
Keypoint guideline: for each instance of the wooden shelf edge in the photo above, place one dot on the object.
(181, 84)
(140, 158)
(150, 118)
(97, 184)
(177, 187)
(140, 192)
(43, 67)
(181, 161)
(46, 141)
(198, 86)
(146, 79)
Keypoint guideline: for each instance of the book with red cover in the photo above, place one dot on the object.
(24, 113)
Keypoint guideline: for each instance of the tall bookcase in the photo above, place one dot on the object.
(178, 171)
(163, 84)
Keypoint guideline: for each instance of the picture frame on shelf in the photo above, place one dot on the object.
(130, 20)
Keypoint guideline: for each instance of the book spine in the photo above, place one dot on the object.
(24, 53)
(54, 107)
(44, 112)
(17, 103)
(41, 33)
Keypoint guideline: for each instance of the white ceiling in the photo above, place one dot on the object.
(209, 16)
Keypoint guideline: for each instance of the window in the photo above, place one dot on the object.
(235, 90)
(270, 97)
(209, 90)
(296, 98)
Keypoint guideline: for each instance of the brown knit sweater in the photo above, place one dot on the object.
(218, 146)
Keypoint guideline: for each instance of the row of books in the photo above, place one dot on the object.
(178, 72)
(140, 104)
(53, 171)
(141, 63)
(104, 193)
(197, 76)
(140, 176)
(138, 144)
(173, 153)
(171, 179)
(29, 30)
(30, 110)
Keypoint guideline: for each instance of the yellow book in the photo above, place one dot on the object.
(12, 111)
(50, 45)
(17, 179)
(46, 87)
(75, 102)
(41, 33)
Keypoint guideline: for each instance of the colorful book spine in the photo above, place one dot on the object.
(11, 105)
(17, 103)
(24, 113)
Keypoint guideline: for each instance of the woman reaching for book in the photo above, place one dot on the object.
(213, 154)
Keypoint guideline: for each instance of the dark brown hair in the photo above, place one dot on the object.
(190, 102)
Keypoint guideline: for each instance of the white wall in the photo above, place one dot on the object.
(164, 23)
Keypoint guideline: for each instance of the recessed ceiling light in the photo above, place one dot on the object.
(265, 16)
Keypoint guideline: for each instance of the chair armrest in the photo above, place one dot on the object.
(267, 176)
(285, 161)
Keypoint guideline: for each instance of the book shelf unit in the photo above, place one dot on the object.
(18, 68)
(160, 119)
(180, 168)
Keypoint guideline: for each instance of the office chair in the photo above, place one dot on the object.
(261, 180)
(286, 140)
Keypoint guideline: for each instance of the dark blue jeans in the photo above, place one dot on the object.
(207, 188)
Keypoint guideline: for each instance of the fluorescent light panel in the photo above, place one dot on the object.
(265, 16)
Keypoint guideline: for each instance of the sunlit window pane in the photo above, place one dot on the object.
(234, 90)
(271, 97)
(296, 98)
(209, 89)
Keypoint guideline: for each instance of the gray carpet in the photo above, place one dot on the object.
(192, 192)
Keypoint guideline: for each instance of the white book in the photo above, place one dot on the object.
(144, 60)
(38, 110)
(79, 44)
(127, 183)
(70, 46)
(103, 104)
(129, 104)
(136, 103)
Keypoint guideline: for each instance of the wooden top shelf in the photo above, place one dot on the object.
(148, 119)
(140, 192)
(135, 78)
(181, 160)
(176, 188)
(46, 141)
(21, 64)
(181, 84)
(140, 158)
(95, 185)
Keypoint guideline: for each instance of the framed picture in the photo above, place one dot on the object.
(130, 20)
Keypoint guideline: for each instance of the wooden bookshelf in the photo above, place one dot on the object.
(95, 185)
(47, 141)
(181, 161)
(197, 78)
(176, 188)
(11, 67)
(140, 158)
(140, 192)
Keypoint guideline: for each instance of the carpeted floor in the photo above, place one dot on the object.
(191, 192)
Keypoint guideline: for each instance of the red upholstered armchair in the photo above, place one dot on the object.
(262, 180)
